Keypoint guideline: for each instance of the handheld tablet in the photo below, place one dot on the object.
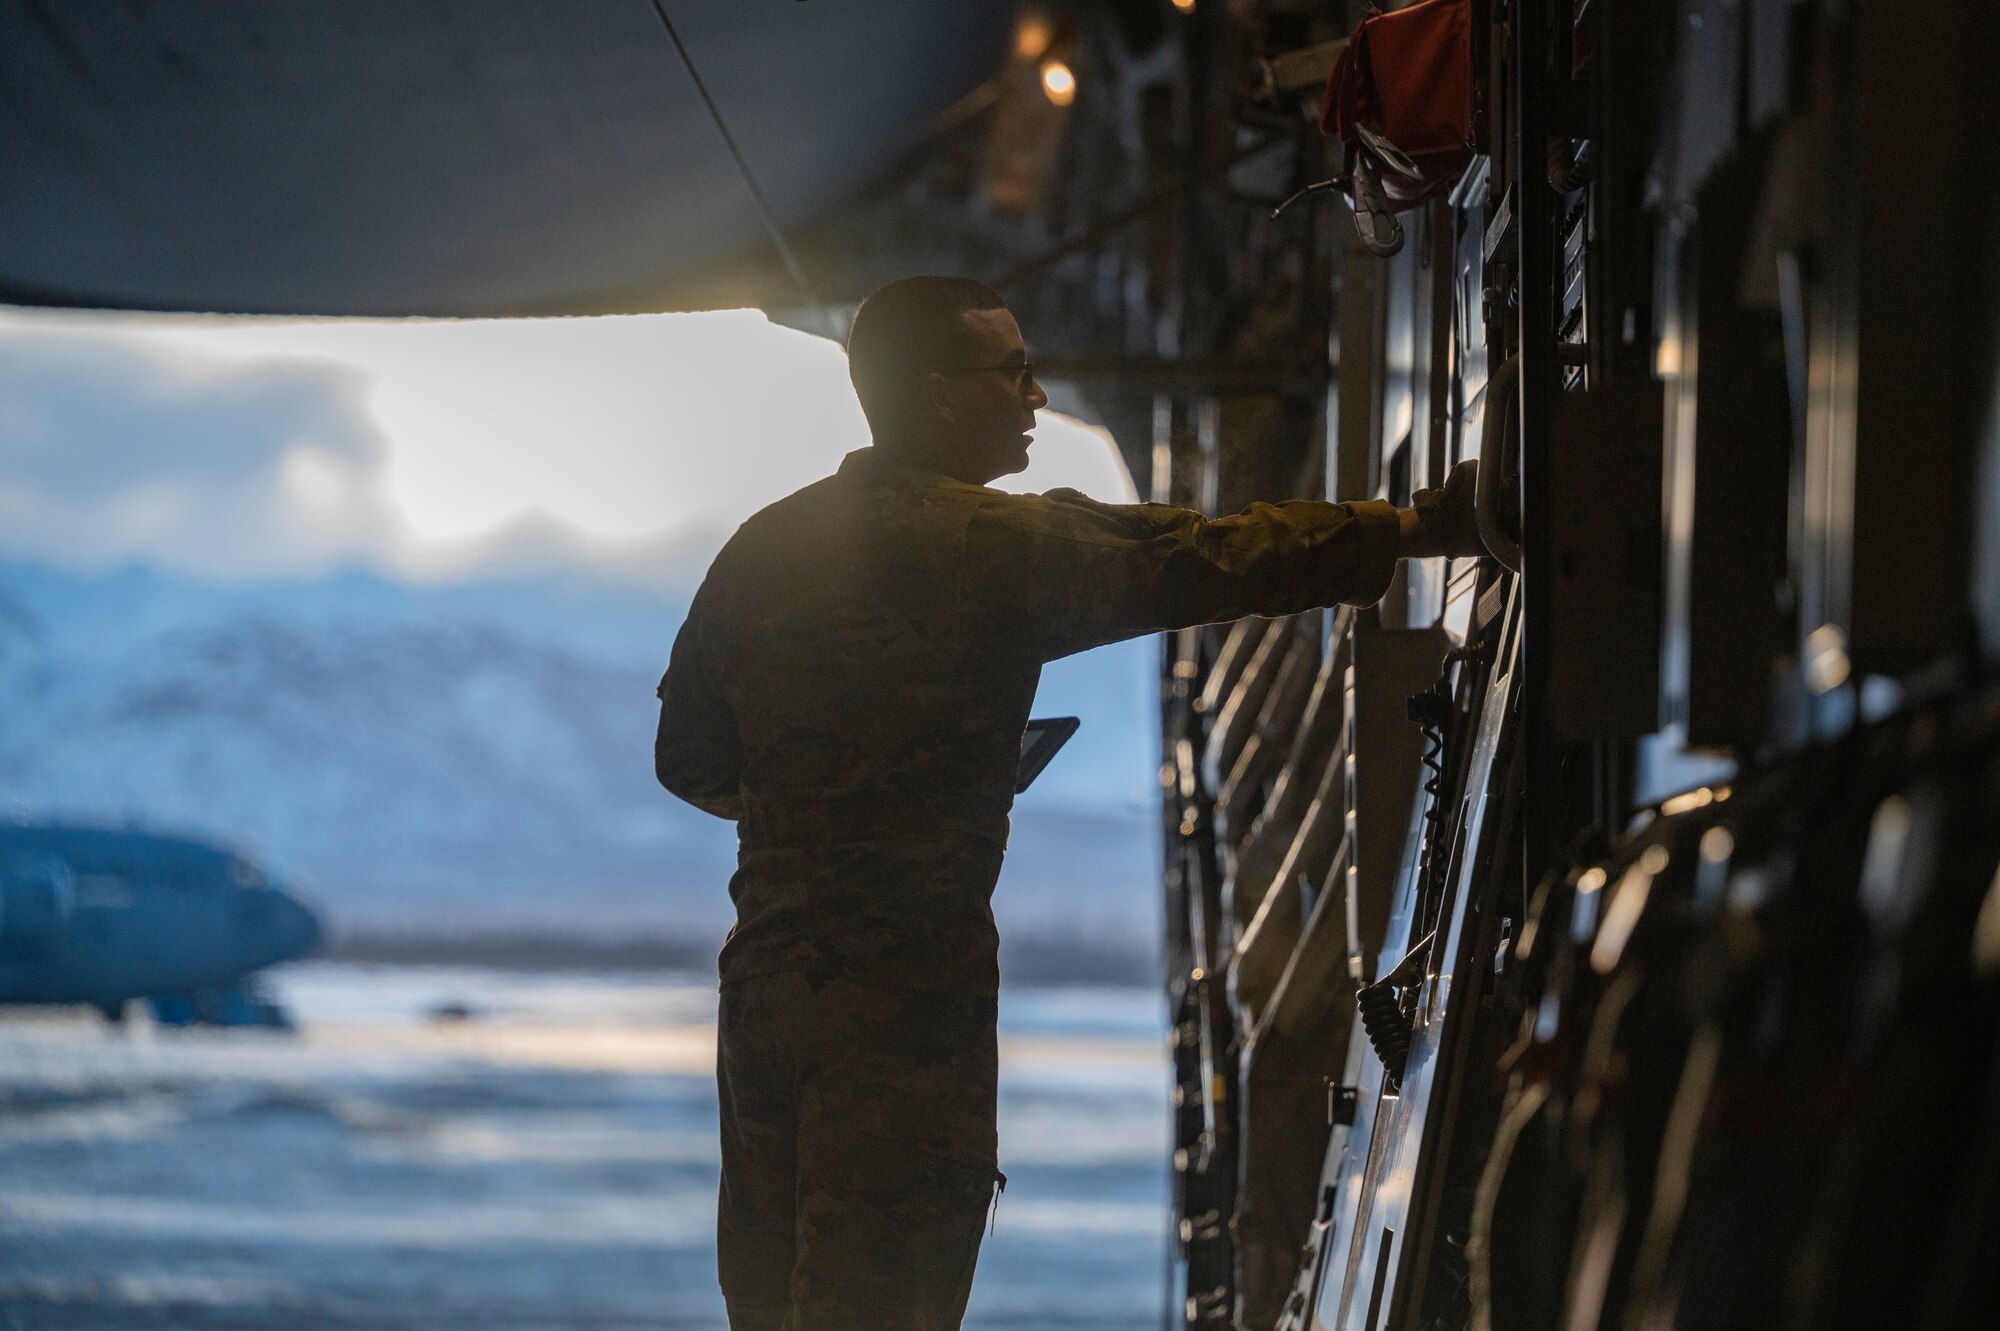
(1039, 743)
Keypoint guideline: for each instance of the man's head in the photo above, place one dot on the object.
(943, 376)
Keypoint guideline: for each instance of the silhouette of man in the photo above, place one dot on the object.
(851, 686)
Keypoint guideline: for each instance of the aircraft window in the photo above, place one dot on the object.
(107, 891)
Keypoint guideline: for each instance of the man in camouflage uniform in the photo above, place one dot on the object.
(851, 686)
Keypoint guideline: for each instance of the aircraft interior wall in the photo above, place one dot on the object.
(1634, 857)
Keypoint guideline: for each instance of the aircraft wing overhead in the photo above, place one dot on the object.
(440, 157)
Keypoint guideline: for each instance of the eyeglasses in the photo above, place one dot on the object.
(1024, 373)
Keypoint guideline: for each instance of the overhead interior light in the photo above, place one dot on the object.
(1058, 82)
(1185, 6)
(1032, 35)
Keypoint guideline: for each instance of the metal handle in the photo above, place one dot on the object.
(1502, 395)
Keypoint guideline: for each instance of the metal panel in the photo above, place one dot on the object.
(1733, 473)
(1357, 399)
(1382, 1179)
(1921, 337)
(1604, 522)
(1389, 666)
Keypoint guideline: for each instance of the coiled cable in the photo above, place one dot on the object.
(1431, 710)
(1389, 1029)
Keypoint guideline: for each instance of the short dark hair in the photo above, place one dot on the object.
(902, 332)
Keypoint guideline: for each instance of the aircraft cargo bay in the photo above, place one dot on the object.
(1594, 925)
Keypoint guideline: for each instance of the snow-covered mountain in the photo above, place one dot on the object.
(471, 758)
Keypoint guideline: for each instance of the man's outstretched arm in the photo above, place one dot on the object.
(1079, 573)
(697, 753)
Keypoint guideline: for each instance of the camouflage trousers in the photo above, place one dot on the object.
(858, 1154)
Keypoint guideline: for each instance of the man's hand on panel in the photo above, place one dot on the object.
(1442, 521)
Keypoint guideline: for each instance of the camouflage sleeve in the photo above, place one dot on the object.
(697, 753)
(1078, 573)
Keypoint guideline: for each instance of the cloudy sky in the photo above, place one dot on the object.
(240, 449)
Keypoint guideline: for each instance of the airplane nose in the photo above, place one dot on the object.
(299, 927)
(280, 927)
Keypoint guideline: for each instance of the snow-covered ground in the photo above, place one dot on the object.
(548, 1163)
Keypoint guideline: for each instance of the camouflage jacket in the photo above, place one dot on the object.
(855, 673)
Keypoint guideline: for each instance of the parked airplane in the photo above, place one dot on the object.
(103, 917)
